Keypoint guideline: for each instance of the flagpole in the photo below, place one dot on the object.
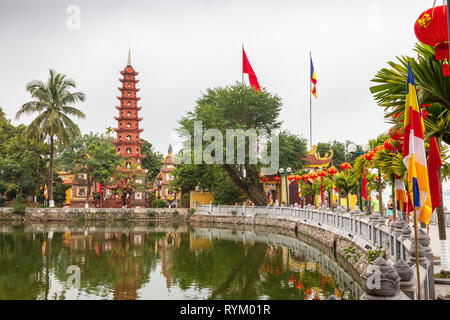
(417, 253)
(310, 102)
(242, 63)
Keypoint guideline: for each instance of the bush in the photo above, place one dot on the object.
(176, 213)
(19, 206)
(373, 254)
(158, 203)
(151, 213)
(234, 212)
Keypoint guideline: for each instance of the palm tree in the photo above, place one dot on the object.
(346, 182)
(52, 101)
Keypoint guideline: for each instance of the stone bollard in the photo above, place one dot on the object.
(406, 233)
(398, 224)
(406, 275)
(381, 282)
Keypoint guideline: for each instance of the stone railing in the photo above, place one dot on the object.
(367, 232)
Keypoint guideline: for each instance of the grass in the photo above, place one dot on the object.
(442, 275)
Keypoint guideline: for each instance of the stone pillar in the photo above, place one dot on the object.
(381, 282)
(406, 274)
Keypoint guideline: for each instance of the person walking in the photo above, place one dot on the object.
(390, 210)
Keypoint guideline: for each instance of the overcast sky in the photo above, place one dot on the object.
(182, 47)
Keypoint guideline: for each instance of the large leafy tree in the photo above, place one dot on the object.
(93, 154)
(237, 107)
(52, 101)
(292, 151)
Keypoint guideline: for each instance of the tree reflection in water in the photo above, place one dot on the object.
(117, 262)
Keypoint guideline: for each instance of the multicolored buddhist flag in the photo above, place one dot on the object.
(313, 80)
(45, 192)
(414, 156)
(247, 68)
(335, 194)
(400, 193)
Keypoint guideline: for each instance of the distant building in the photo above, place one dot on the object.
(317, 162)
(164, 178)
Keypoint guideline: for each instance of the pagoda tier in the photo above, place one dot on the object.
(126, 118)
(128, 98)
(128, 89)
(129, 73)
(127, 130)
(131, 81)
(128, 143)
(128, 107)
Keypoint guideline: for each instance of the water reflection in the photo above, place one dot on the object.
(148, 261)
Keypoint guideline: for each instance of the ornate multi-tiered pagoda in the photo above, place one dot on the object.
(128, 143)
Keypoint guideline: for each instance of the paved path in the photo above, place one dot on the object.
(434, 235)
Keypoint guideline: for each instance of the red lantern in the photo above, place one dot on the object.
(332, 171)
(322, 174)
(431, 28)
(305, 177)
(313, 176)
(377, 177)
(369, 155)
(265, 179)
(297, 178)
(276, 178)
(345, 166)
(389, 144)
(290, 179)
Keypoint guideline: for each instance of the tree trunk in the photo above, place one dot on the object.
(394, 202)
(50, 166)
(445, 261)
(348, 201)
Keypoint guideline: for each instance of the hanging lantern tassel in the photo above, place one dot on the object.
(446, 69)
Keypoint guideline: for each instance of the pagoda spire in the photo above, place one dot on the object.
(129, 57)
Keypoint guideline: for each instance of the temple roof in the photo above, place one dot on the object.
(315, 160)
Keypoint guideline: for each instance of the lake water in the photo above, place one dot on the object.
(154, 261)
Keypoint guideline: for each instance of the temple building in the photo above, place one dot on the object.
(317, 162)
(164, 178)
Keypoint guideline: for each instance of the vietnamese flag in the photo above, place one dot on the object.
(247, 68)
(434, 163)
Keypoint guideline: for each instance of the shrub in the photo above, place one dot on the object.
(151, 213)
(373, 254)
(158, 203)
(192, 211)
(234, 212)
(176, 213)
(350, 253)
(19, 206)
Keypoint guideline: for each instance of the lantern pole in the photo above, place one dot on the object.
(448, 23)
(310, 102)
